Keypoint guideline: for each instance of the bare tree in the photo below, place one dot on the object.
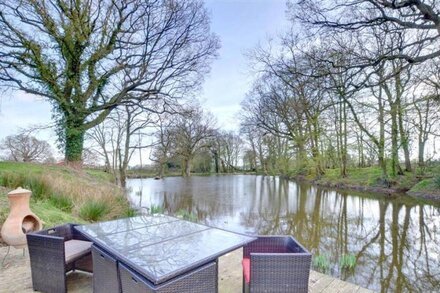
(419, 18)
(162, 145)
(191, 133)
(289, 97)
(26, 148)
(119, 136)
(256, 152)
(227, 147)
(88, 57)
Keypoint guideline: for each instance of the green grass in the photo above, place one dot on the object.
(155, 209)
(427, 186)
(40, 169)
(424, 185)
(40, 188)
(368, 176)
(321, 263)
(186, 215)
(131, 212)
(51, 215)
(4, 204)
(62, 202)
(436, 181)
(44, 209)
(347, 261)
(86, 194)
(99, 174)
(356, 176)
(93, 211)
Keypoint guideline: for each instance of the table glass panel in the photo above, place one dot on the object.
(121, 225)
(161, 261)
(161, 247)
(126, 241)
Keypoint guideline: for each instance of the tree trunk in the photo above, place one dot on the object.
(314, 131)
(216, 161)
(404, 140)
(381, 142)
(343, 145)
(123, 177)
(161, 169)
(187, 167)
(74, 142)
(422, 143)
(395, 166)
(261, 158)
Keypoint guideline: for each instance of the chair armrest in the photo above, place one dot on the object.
(266, 244)
(65, 231)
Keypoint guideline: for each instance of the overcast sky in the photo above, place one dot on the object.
(240, 24)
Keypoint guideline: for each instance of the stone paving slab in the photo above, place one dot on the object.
(15, 276)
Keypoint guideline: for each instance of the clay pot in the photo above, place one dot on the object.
(21, 219)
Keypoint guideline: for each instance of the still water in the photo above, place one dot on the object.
(396, 242)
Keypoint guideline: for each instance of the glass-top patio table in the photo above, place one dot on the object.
(161, 247)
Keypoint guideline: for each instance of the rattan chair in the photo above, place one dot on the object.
(54, 252)
(276, 264)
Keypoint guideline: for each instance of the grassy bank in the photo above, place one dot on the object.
(50, 214)
(369, 176)
(61, 194)
(370, 179)
(143, 173)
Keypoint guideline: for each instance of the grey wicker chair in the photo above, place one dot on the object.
(54, 252)
(276, 264)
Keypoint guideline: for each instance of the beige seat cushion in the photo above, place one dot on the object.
(74, 249)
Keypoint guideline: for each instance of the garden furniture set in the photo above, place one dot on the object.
(159, 253)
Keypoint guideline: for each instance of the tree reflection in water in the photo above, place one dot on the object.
(396, 241)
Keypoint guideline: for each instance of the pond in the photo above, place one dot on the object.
(396, 241)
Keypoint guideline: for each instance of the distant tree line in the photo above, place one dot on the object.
(186, 140)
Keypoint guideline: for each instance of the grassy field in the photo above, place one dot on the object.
(61, 194)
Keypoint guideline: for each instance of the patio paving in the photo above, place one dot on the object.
(15, 276)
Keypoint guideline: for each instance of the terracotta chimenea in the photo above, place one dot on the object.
(21, 219)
